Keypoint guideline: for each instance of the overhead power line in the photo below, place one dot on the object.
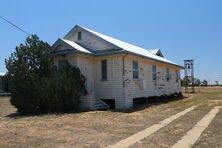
(14, 25)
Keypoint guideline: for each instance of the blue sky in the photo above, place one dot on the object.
(188, 29)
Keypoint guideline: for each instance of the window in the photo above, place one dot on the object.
(79, 35)
(177, 76)
(62, 64)
(135, 70)
(104, 70)
(154, 72)
(168, 74)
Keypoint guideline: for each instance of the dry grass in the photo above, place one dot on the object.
(169, 135)
(102, 128)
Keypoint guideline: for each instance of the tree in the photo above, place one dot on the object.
(26, 66)
(36, 86)
(185, 82)
(198, 82)
(205, 83)
(217, 83)
(30, 58)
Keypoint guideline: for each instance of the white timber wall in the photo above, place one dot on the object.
(86, 66)
(113, 87)
(90, 67)
(90, 41)
(151, 88)
(71, 58)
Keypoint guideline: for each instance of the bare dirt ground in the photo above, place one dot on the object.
(103, 128)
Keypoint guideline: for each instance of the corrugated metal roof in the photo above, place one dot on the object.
(154, 51)
(129, 47)
(76, 46)
(124, 47)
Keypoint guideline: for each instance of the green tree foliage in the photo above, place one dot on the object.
(36, 86)
(185, 82)
(197, 82)
(204, 83)
(216, 83)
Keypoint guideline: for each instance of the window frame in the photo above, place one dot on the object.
(168, 74)
(104, 73)
(154, 72)
(177, 76)
(79, 36)
(135, 69)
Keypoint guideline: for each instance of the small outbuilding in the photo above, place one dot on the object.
(3, 83)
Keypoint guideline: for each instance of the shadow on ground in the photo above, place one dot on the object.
(138, 106)
(17, 115)
(148, 102)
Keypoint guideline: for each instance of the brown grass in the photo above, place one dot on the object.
(102, 128)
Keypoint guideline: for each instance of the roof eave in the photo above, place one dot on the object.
(70, 53)
(124, 51)
(113, 53)
(179, 66)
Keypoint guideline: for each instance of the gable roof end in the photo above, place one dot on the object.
(123, 46)
(71, 44)
(76, 46)
(131, 48)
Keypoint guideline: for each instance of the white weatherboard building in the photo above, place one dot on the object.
(116, 72)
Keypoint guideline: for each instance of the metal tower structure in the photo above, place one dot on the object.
(189, 74)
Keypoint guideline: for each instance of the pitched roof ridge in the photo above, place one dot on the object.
(129, 47)
(118, 40)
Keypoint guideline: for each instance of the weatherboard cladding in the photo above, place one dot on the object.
(129, 47)
(120, 84)
(109, 89)
(153, 88)
(112, 88)
(89, 40)
(109, 43)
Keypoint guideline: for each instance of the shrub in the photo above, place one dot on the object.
(63, 90)
(36, 87)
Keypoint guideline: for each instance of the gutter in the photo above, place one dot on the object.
(126, 52)
(154, 59)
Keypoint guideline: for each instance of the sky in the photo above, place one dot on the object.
(182, 29)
